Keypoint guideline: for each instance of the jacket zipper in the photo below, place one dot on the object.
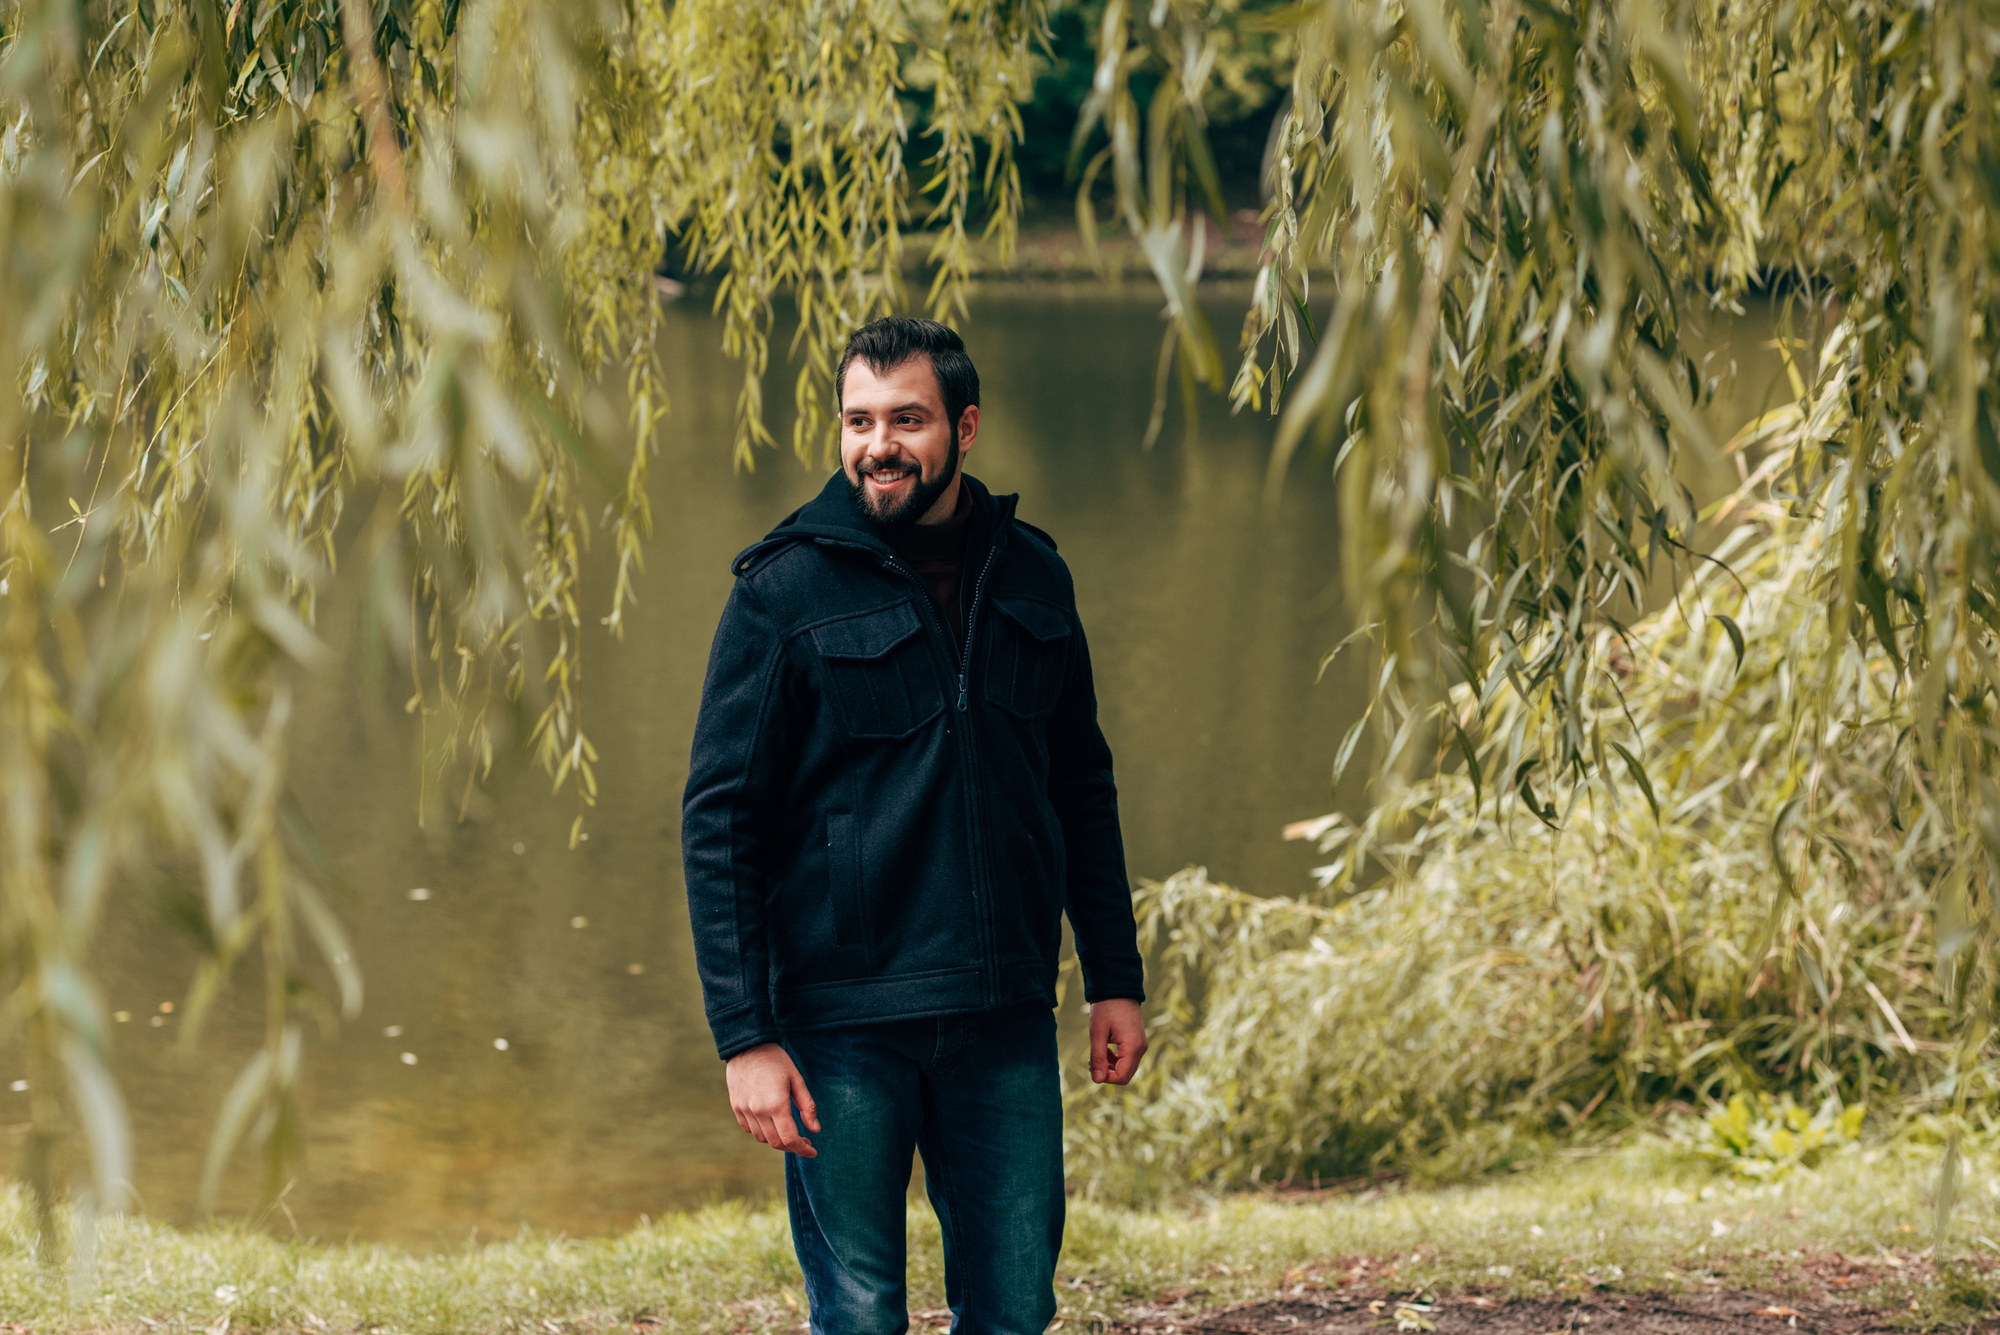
(972, 620)
(989, 978)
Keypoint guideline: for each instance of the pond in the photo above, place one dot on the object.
(532, 1048)
(1207, 614)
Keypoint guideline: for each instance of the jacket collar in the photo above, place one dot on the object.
(835, 518)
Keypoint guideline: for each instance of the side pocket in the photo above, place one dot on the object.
(843, 870)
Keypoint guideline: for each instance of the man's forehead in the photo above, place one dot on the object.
(910, 382)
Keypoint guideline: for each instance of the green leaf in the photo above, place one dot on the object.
(1346, 751)
(1735, 633)
(1471, 754)
(1947, 1189)
(1544, 814)
(106, 1128)
(1639, 776)
(1778, 860)
(1360, 633)
(1203, 165)
(245, 1097)
(1874, 595)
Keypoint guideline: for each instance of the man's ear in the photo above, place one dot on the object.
(968, 427)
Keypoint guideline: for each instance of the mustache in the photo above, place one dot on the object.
(870, 466)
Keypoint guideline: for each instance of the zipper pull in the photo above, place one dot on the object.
(961, 692)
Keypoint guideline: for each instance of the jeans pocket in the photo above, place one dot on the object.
(1029, 656)
(884, 676)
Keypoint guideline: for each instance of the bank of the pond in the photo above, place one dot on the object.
(1049, 248)
(1577, 1234)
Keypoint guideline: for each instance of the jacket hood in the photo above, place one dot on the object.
(835, 517)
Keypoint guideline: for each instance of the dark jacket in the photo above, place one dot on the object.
(874, 830)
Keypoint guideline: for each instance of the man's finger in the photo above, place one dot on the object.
(808, 1110)
(1128, 1062)
(785, 1136)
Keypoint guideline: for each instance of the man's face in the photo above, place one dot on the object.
(897, 447)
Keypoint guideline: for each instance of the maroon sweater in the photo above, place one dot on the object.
(937, 553)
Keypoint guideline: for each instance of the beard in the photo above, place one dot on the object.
(913, 507)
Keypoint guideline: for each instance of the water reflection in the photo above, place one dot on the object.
(532, 1048)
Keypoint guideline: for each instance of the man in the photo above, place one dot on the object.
(897, 789)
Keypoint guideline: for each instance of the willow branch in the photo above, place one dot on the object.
(385, 156)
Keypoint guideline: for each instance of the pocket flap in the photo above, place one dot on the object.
(867, 636)
(1044, 621)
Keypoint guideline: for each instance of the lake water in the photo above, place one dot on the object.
(1207, 615)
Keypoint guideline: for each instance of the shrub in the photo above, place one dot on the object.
(1476, 974)
(1771, 1137)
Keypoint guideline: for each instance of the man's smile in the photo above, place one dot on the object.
(887, 479)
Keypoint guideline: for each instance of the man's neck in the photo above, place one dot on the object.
(945, 507)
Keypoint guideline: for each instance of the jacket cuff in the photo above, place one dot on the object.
(1110, 982)
(742, 1030)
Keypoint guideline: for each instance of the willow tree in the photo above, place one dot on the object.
(291, 283)
(1526, 208)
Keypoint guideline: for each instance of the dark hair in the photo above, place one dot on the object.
(887, 343)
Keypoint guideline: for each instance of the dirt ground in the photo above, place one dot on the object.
(1828, 1293)
(1651, 1313)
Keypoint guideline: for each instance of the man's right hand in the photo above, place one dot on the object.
(763, 1086)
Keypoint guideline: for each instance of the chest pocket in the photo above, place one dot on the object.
(884, 675)
(1024, 672)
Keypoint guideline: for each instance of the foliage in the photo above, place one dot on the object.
(290, 282)
(1528, 207)
(1163, 172)
(1776, 1138)
(1251, 68)
(258, 270)
(790, 146)
(1517, 974)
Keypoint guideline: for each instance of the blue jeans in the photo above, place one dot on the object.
(978, 1096)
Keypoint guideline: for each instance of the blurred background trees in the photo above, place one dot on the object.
(292, 283)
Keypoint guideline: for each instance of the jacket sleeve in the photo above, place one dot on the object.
(742, 745)
(1099, 898)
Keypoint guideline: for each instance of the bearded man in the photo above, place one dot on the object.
(897, 790)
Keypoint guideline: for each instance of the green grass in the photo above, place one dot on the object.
(1640, 1218)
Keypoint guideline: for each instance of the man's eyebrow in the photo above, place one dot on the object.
(901, 408)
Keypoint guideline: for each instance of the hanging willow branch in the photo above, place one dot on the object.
(1526, 207)
(788, 132)
(295, 282)
(292, 283)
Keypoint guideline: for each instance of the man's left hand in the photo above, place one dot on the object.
(1117, 1040)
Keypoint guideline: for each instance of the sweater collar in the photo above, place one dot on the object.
(835, 516)
(945, 541)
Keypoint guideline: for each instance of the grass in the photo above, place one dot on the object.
(1641, 1218)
